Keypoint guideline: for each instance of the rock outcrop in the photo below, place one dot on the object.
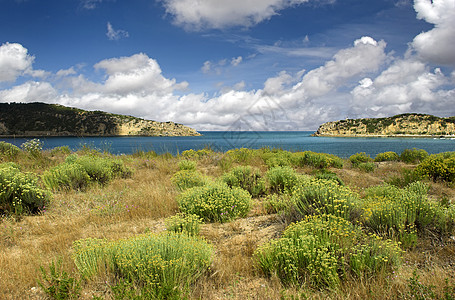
(40, 119)
(400, 125)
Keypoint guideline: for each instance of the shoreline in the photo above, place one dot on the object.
(386, 136)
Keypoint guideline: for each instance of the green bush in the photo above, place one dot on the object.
(183, 223)
(317, 160)
(319, 196)
(413, 156)
(58, 284)
(275, 203)
(282, 179)
(247, 178)
(359, 158)
(405, 178)
(215, 202)
(366, 167)
(242, 155)
(189, 165)
(66, 176)
(321, 250)
(33, 146)
(9, 150)
(438, 167)
(399, 213)
(277, 158)
(186, 179)
(327, 175)
(387, 156)
(20, 192)
(77, 172)
(197, 154)
(163, 266)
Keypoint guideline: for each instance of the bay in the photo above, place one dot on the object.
(226, 140)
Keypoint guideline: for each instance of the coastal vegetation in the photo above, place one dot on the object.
(244, 224)
(40, 119)
(409, 124)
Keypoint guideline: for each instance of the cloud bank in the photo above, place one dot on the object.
(361, 80)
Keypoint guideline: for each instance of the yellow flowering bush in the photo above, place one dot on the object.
(8, 150)
(322, 249)
(387, 156)
(187, 165)
(413, 156)
(183, 223)
(320, 196)
(20, 192)
(161, 265)
(215, 202)
(317, 160)
(438, 166)
(282, 179)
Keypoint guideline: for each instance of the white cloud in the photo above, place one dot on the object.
(115, 35)
(202, 14)
(236, 61)
(31, 91)
(14, 61)
(90, 4)
(438, 44)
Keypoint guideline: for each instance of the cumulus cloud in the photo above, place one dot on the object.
(438, 44)
(115, 35)
(236, 61)
(14, 61)
(197, 15)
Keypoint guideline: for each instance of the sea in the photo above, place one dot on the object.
(225, 140)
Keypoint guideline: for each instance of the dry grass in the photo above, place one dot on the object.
(126, 207)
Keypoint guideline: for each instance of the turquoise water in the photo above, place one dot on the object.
(226, 140)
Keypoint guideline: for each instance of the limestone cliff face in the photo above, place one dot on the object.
(400, 125)
(39, 119)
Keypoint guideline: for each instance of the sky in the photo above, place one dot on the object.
(232, 64)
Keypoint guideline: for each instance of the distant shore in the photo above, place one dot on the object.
(385, 136)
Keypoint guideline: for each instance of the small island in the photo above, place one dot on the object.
(404, 125)
(40, 119)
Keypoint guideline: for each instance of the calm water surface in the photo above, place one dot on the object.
(226, 140)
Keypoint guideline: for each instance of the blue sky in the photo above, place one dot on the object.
(229, 65)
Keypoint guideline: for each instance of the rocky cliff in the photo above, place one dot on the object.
(400, 125)
(39, 119)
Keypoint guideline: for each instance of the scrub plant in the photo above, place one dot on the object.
(317, 160)
(322, 250)
(215, 202)
(77, 172)
(8, 150)
(20, 192)
(161, 265)
(320, 196)
(189, 165)
(58, 284)
(438, 167)
(358, 158)
(33, 146)
(387, 156)
(413, 156)
(183, 223)
(247, 178)
(186, 179)
(282, 179)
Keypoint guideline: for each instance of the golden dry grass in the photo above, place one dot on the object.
(139, 204)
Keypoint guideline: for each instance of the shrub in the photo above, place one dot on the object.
(275, 203)
(58, 284)
(366, 167)
(186, 179)
(317, 160)
(278, 158)
(193, 154)
(60, 150)
(9, 150)
(77, 172)
(398, 213)
(405, 178)
(182, 223)
(413, 156)
(319, 196)
(359, 158)
(34, 147)
(187, 165)
(215, 202)
(20, 192)
(163, 265)
(438, 167)
(328, 175)
(242, 155)
(66, 176)
(321, 250)
(282, 179)
(247, 178)
(387, 156)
